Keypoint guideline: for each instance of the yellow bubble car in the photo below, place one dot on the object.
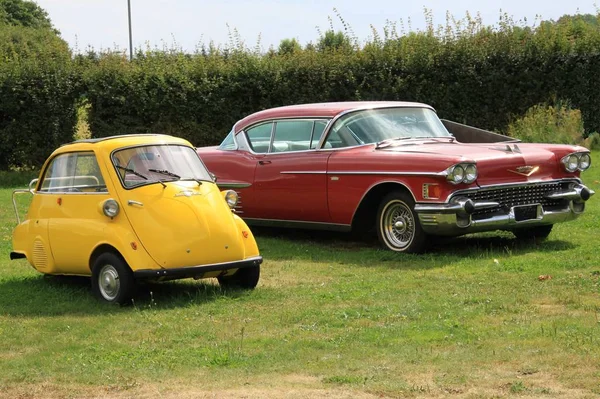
(128, 208)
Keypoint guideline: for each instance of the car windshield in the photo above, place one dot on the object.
(158, 164)
(377, 125)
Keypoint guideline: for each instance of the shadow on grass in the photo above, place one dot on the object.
(324, 246)
(71, 295)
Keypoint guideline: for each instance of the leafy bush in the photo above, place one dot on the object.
(549, 124)
(485, 76)
(475, 74)
(37, 96)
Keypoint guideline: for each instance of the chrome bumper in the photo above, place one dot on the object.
(457, 217)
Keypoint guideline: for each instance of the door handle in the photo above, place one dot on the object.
(264, 162)
(132, 203)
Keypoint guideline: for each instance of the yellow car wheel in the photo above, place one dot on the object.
(246, 278)
(112, 279)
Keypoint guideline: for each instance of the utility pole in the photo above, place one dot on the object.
(130, 41)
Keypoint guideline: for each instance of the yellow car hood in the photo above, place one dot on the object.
(184, 223)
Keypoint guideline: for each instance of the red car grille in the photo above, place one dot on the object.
(510, 196)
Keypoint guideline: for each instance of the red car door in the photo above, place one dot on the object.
(290, 181)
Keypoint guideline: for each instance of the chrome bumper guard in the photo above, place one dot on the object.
(195, 271)
(455, 218)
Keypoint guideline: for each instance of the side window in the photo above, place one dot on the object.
(334, 140)
(73, 172)
(259, 137)
(292, 135)
(317, 132)
(228, 143)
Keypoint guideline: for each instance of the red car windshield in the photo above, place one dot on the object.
(376, 125)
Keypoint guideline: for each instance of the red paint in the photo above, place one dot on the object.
(328, 192)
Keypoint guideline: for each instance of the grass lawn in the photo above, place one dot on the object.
(331, 317)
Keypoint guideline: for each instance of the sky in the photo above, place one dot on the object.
(187, 24)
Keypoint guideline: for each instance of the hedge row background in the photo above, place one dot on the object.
(482, 76)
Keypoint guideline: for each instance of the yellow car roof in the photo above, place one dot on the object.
(111, 143)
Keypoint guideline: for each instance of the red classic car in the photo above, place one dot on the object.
(397, 167)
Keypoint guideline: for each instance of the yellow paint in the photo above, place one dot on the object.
(182, 224)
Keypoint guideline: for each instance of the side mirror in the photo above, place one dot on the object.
(213, 176)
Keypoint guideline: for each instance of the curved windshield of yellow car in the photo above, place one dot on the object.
(380, 124)
(137, 166)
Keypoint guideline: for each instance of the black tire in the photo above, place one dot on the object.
(398, 226)
(533, 233)
(112, 279)
(246, 278)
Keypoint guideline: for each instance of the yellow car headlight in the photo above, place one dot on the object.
(110, 208)
(231, 197)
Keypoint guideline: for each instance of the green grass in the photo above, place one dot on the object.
(331, 317)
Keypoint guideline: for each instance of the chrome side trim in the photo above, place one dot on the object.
(233, 185)
(303, 172)
(387, 173)
(298, 224)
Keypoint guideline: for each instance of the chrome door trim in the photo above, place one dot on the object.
(298, 224)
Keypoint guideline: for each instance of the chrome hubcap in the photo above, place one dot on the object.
(109, 282)
(398, 224)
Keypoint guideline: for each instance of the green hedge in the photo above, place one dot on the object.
(38, 93)
(478, 75)
(483, 76)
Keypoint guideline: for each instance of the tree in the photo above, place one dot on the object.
(589, 19)
(24, 13)
(334, 41)
(289, 46)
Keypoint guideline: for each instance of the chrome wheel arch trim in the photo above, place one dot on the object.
(368, 190)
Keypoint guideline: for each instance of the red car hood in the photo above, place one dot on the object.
(496, 162)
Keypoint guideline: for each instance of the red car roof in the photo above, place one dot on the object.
(318, 110)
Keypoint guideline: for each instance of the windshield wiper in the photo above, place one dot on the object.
(132, 171)
(194, 179)
(388, 142)
(165, 172)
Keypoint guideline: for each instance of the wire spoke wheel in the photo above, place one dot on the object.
(398, 227)
(398, 224)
